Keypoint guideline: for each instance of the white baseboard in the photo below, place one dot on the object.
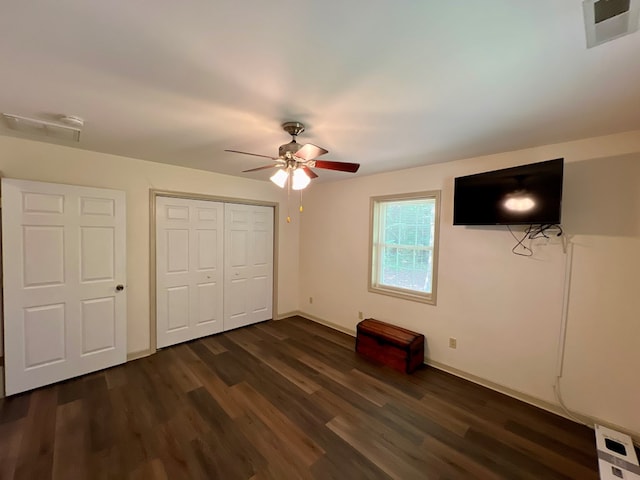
(587, 420)
(281, 316)
(326, 323)
(531, 400)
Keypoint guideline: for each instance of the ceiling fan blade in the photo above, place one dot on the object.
(252, 154)
(340, 166)
(264, 167)
(309, 151)
(309, 172)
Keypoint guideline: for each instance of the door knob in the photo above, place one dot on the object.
(119, 288)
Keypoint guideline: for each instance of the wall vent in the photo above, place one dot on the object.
(606, 20)
(70, 131)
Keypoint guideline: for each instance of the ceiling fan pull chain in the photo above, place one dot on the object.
(289, 199)
(301, 209)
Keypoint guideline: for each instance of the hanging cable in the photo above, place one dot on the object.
(528, 251)
(533, 232)
(541, 231)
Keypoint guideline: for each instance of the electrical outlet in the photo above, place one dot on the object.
(453, 342)
(360, 316)
(310, 299)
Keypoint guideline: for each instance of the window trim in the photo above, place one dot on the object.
(397, 292)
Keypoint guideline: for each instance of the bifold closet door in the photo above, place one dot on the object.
(64, 263)
(248, 284)
(189, 266)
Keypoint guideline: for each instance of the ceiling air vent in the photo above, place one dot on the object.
(609, 19)
(69, 127)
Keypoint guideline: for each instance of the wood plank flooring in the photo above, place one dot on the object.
(282, 400)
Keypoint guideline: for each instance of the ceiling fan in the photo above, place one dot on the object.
(294, 161)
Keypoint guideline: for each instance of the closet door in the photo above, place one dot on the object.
(189, 264)
(65, 307)
(248, 283)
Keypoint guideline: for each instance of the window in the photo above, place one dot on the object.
(404, 245)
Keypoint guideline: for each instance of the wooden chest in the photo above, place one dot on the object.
(396, 347)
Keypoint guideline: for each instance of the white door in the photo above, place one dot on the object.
(189, 282)
(63, 254)
(248, 285)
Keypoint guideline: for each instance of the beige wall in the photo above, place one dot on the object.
(505, 310)
(39, 161)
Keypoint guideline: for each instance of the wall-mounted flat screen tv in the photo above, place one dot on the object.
(524, 195)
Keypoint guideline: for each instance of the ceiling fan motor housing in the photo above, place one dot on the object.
(291, 148)
(288, 149)
(293, 128)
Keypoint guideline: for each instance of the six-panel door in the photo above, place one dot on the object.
(248, 284)
(63, 260)
(189, 265)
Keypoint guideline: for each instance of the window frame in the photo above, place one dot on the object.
(374, 284)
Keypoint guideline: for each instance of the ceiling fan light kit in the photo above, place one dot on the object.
(294, 161)
(280, 178)
(300, 179)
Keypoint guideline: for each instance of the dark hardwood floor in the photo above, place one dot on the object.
(282, 400)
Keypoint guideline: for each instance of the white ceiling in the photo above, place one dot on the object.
(387, 84)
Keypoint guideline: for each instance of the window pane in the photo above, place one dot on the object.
(389, 257)
(423, 264)
(424, 235)
(408, 234)
(391, 233)
(409, 222)
(410, 269)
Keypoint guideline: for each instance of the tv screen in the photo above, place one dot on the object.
(528, 194)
